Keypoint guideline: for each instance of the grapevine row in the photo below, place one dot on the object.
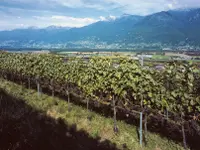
(175, 88)
(119, 82)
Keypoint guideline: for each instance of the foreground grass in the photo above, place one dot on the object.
(99, 126)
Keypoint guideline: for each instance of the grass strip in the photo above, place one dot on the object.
(99, 126)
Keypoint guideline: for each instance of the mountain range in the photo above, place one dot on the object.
(166, 29)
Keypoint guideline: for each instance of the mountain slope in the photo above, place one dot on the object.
(108, 31)
(191, 24)
(160, 27)
(166, 29)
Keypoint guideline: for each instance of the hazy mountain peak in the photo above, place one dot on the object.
(184, 9)
(33, 27)
(56, 27)
(166, 28)
(109, 18)
(53, 27)
(125, 15)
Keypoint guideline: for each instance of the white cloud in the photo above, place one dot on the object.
(70, 3)
(112, 17)
(64, 21)
(109, 18)
(102, 18)
(137, 7)
(170, 6)
(63, 12)
(45, 21)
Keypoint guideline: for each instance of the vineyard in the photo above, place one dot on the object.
(117, 82)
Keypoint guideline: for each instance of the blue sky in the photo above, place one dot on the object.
(78, 13)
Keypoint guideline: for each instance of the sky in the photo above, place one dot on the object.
(77, 13)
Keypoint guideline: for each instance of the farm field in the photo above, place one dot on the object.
(165, 102)
(149, 56)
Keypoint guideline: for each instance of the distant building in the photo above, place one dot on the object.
(166, 49)
(144, 56)
(159, 67)
(135, 58)
(41, 52)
